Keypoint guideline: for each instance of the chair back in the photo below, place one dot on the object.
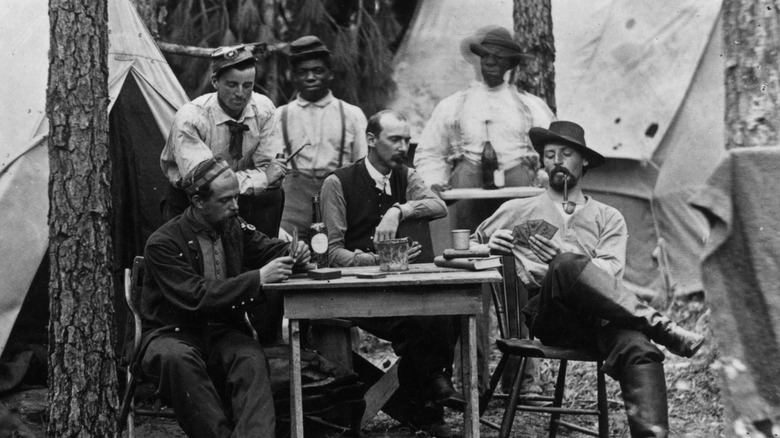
(510, 299)
(134, 280)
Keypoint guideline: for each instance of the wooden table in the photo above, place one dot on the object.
(424, 290)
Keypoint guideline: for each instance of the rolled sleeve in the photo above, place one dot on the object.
(422, 202)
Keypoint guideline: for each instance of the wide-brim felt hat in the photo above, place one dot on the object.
(308, 47)
(568, 133)
(497, 41)
(228, 56)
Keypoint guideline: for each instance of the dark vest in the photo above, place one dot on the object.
(366, 204)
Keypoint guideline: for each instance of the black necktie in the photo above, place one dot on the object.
(236, 138)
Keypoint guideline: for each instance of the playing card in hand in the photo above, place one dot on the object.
(520, 237)
(546, 229)
(533, 225)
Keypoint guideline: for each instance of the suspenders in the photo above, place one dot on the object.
(286, 135)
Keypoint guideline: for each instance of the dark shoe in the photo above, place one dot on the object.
(443, 393)
(644, 395)
(680, 341)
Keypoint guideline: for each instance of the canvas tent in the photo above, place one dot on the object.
(144, 96)
(645, 79)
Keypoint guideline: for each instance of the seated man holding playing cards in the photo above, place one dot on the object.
(570, 254)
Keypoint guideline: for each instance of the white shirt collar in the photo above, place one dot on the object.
(382, 181)
(320, 103)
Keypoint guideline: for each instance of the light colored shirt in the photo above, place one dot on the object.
(457, 129)
(421, 202)
(382, 181)
(199, 132)
(595, 230)
(319, 123)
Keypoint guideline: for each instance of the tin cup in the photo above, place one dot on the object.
(394, 254)
(460, 239)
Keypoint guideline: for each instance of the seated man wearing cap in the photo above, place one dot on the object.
(576, 274)
(332, 130)
(235, 124)
(365, 203)
(204, 270)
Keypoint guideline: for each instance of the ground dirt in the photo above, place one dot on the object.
(695, 408)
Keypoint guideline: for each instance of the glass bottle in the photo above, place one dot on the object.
(489, 161)
(318, 235)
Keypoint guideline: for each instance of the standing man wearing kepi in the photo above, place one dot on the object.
(365, 203)
(332, 130)
(575, 277)
(204, 269)
(449, 151)
(235, 124)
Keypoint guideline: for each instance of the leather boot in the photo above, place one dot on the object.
(597, 293)
(644, 396)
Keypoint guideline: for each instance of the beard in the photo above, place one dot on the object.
(559, 175)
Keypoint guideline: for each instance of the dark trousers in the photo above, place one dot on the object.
(216, 379)
(555, 321)
(424, 343)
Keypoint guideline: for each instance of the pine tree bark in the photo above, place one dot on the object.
(82, 375)
(751, 33)
(534, 33)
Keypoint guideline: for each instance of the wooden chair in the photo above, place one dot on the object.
(509, 300)
(128, 409)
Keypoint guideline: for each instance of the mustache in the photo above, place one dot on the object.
(560, 169)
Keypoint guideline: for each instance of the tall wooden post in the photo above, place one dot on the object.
(534, 33)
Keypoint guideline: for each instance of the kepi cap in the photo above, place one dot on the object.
(497, 41)
(203, 174)
(229, 56)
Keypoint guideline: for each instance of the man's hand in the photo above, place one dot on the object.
(275, 172)
(414, 251)
(544, 248)
(301, 255)
(388, 225)
(438, 188)
(277, 270)
(502, 241)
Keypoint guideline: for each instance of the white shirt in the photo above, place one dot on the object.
(319, 123)
(382, 181)
(457, 129)
(199, 132)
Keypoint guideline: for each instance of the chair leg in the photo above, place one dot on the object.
(560, 386)
(602, 402)
(484, 400)
(511, 404)
(126, 416)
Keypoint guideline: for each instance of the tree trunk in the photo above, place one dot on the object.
(751, 33)
(82, 374)
(534, 33)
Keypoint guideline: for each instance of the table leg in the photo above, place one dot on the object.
(296, 396)
(469, 363)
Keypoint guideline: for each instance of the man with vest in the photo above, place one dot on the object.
(364, 203)
(330, 131)
(235, 124)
